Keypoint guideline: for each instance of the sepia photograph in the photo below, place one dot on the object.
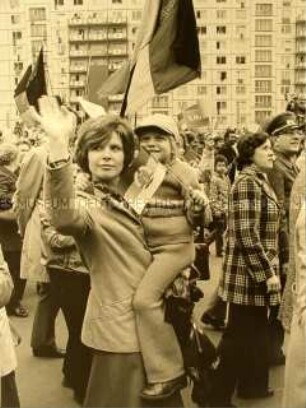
(152, 203)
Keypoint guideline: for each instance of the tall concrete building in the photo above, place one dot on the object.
(252, 51)
(249, 61)
(74, 34)
(300, 55)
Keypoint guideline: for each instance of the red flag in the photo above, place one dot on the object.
(167, 52)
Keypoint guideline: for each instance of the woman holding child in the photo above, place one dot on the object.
(111, 239)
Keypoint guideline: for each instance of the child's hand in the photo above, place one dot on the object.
(143, 176)
(197, 200)
(82, 181)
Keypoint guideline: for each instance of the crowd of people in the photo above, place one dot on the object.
(105, 218)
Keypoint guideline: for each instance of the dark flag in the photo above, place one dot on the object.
(167, 52)
(31, 86)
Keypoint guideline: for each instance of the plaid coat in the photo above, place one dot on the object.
(251, 254)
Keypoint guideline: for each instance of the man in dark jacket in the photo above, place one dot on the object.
(9, 237)
(286, 138)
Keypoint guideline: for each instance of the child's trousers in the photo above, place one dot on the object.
(160, 349)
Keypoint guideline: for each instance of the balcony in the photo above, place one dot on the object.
(300, 51)
(300, 65)
(97, 37)
(74, 99)
(117, 53)
(77, 84)
(78, 68)
(78, 53)
(117, 36)
(300, 81)
(77, 38)
(96, 21)
(78, 21)
(97, 53)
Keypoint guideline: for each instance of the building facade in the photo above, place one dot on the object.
(252, 52)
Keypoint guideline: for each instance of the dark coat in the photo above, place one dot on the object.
(9, 237)
(282, 178)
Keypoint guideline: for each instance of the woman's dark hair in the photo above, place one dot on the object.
(228, 131)
(97, 131)
(219, 158)
(246, 147)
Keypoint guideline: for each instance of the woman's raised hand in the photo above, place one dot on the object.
(59, 125)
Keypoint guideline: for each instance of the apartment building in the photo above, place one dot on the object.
(300, 55)
(74, 34)
(252, 51)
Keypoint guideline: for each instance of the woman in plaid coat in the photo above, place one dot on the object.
(250, 282)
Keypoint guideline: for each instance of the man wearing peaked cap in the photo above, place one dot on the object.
(284, 130)
(282, 123)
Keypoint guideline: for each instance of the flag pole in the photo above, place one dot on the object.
(87, 76)
(124, 102)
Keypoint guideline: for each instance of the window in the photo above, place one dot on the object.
(221, 1)
(39, 30)
(263, 71)
(263, 101)
(221, 29)
(15, 19)
(221, 60)
(182, 105)
(202, 90)
(241, 14)
(160, 102)
(286, 81)
(136, 15)
(263, 86)
(263, 40)
(263, 25)
(220, 45)
(38, 14)
(263, 56)
(202, 30)
(286, 28)
(18, 67)
(221, 105)
(117, 1)
(240, 60)
(17, 35)
(261, 116)
(77, 2)
(221, 90)
(223, 75)
(14, 3)
(198, 14)
(285, 90)
(59, 2)
(240, 90)
(264, 9)
(241, 32)
(221, 13)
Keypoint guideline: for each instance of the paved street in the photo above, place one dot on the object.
(39, 380)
